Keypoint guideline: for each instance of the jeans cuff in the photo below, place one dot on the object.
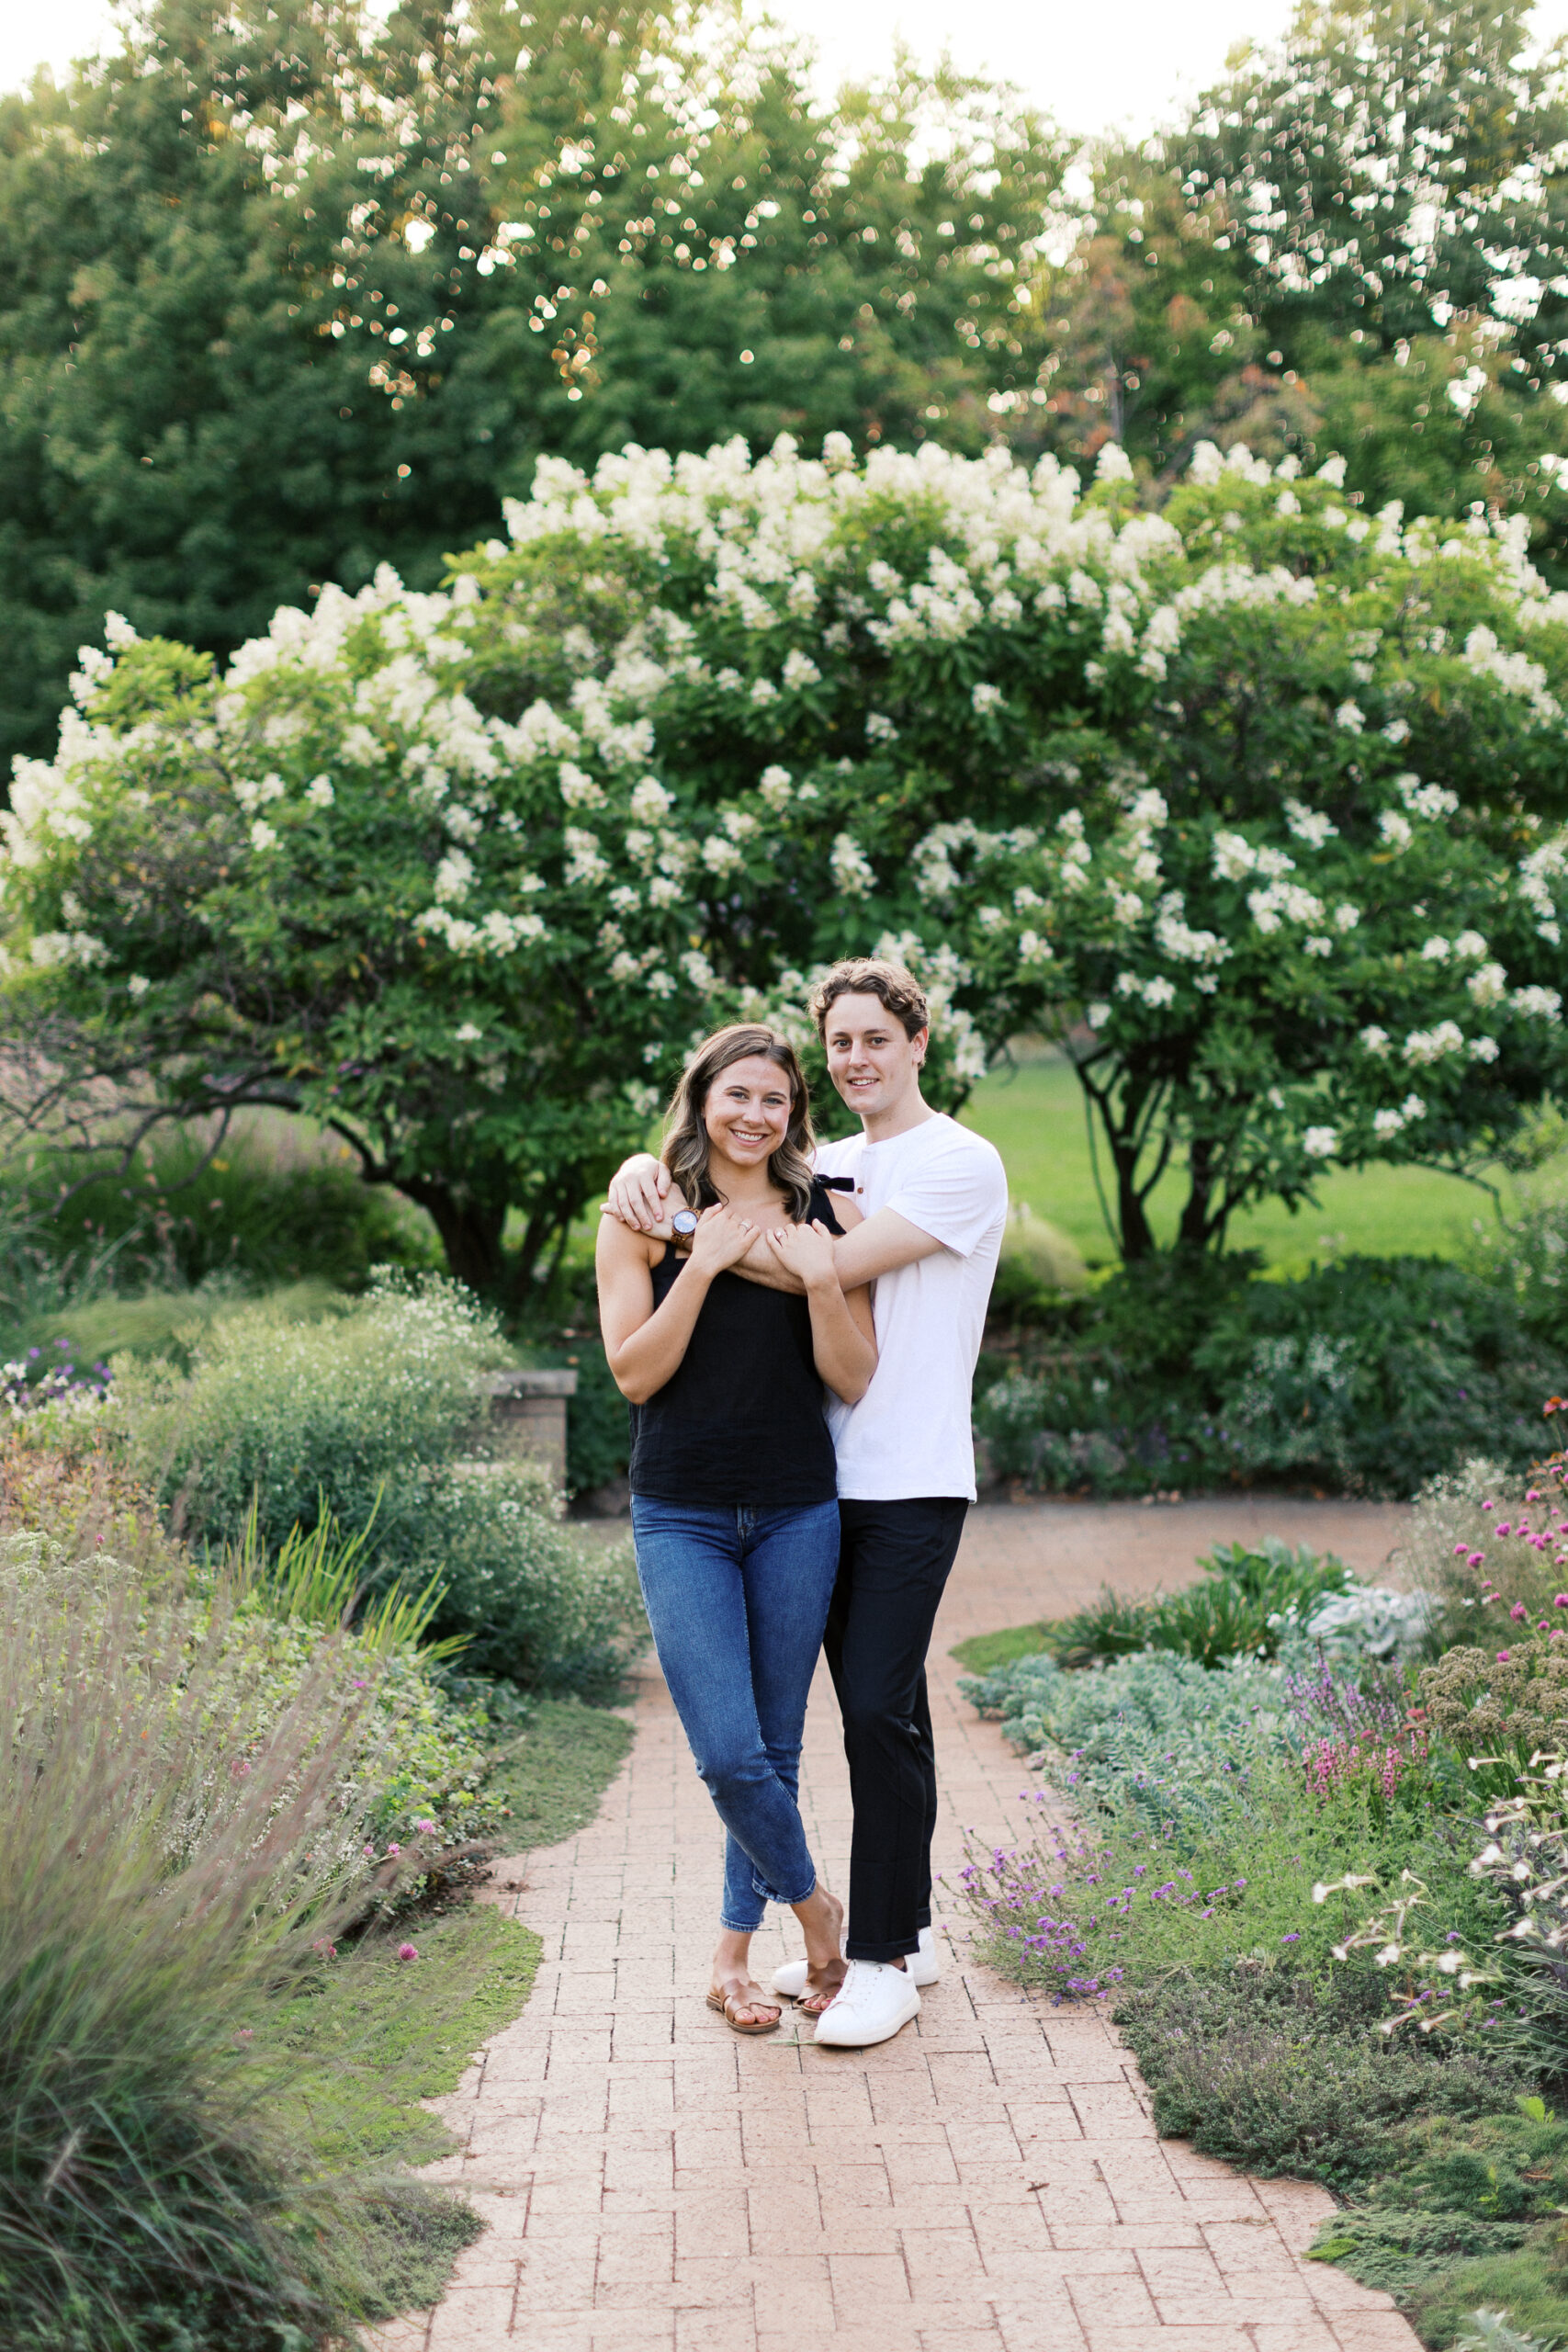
(739, 1927)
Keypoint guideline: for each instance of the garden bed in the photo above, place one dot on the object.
(1328, 1935)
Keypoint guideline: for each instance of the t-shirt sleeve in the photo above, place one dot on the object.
(956, 1196)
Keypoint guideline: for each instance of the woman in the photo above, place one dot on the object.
(734, 1492)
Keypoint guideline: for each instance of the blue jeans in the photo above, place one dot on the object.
(737, 1599)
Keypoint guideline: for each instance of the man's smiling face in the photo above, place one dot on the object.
(870, 1060)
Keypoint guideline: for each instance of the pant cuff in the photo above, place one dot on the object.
(739, 1927)
(896, 1947)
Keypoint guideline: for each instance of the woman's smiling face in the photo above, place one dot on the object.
(747, 1111)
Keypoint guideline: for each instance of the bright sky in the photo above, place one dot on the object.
(1131, 69)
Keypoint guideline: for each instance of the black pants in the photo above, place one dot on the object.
(893, 1560)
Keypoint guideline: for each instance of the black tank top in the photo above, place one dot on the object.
(741, 1422)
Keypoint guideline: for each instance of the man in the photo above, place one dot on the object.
(934, 1198)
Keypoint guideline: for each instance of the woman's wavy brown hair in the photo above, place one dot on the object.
(686, 1145)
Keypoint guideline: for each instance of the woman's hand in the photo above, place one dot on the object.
(722, 1237)
(806, 1251)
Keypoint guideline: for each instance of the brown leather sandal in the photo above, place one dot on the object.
(745, 1996)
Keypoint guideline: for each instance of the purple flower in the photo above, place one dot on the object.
(408, 1951)
(1291, 1939)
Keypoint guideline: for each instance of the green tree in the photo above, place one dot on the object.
(1257, 807)
(282, 298)
(1356, 243)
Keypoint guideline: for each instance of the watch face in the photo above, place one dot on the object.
(684, 1221)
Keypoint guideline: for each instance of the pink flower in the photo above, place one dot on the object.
(428, 1829)
(1476, 1558)
(394, 1850)
(1501, 1658)
(1506, 1529)
(359, 1684)
(328, 1950)
(246, 2033)
(408, 1951)
(1459, 1551)
(1518, 1612)
(1560, 1602)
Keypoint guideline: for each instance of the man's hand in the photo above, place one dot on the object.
(806, 1252)
(638, 1192)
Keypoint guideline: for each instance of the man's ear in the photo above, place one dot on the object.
(922, 1038)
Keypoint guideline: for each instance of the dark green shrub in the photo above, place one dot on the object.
(1278, 2070)
(261, 1215)
(598, 1440)
(374, 1407)
(1226, 1614)
(1372, 1376)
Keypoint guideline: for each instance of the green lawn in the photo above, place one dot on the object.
(1034, 1116)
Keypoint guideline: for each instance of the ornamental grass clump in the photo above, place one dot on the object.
(162, 1864)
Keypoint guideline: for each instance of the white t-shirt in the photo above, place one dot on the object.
(910, 1434)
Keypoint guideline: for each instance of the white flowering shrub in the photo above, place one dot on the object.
(1255, 801)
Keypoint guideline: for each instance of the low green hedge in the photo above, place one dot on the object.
(1367, 1377)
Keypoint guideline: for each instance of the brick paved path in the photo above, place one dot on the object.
(987, 2182)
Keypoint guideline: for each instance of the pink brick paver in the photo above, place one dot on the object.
(990, 2181)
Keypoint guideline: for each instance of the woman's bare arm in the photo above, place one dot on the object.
(645, 1345)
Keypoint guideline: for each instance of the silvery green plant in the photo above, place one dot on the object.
(1253, 802)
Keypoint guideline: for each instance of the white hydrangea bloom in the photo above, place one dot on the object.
(1321, 1142)
(578, 789)
(454, 878)
(1309, 824)
(775, 788)
(720, 855)
(1352, 718)
(263, 835)
(850, 867)
(1483, 1049)
(1537, 1003)
(986, 697)
(879, 728)
(585, 860)
(1387, 1123)
(1234, 856)
(1424, 1045)
(1375, 1040)
(319, 792)
(650, 801)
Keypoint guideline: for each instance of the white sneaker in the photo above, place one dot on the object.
(923, 1967)
(875, 1999)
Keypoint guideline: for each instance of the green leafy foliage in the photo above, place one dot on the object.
(1220, 797)
(385, 266)
(1371, 1375)
(1276, 2071)
(371, 1413)
(170, 1843)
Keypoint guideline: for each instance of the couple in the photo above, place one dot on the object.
(796, 1328)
